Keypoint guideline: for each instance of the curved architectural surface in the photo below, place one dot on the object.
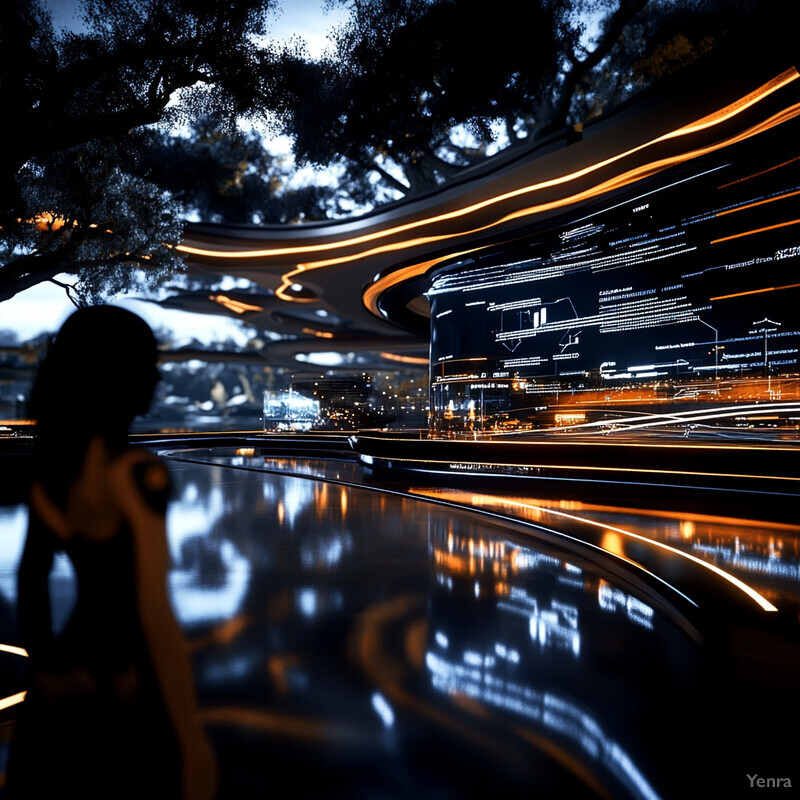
(353, 279)
(353, 641)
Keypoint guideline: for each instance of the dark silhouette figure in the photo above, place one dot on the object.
(110, 710)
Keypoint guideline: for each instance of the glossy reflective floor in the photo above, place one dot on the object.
(763, 551)
(360, 643)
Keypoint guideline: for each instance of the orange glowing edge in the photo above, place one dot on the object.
(403, 359)
(756, 291)
(233, 305)
(318, 334)
(540, 443)
(617, 182)
(757, 230)
(754, 205)
(732, 579)
(715, 118)
(12, 699)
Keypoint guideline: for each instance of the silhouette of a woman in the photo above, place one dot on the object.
(110, 709)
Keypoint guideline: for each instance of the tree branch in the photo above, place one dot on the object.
(67, 287)
(29, 270)
(389, 178)
(626, 11)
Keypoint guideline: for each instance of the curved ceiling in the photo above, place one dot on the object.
(356, 285)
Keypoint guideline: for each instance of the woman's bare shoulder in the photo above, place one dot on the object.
(148, 474)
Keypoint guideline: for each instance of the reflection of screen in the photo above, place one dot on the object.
(520, 653)
(692, 279)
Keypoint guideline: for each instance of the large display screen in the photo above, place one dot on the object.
(685, 289)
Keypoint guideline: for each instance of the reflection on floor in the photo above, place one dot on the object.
(361, 643)
(763, 553)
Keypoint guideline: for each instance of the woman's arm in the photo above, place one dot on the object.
(140, 500)
(33, 595)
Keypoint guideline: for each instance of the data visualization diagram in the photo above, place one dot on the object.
(696, 278)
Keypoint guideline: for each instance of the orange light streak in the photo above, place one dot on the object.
(233, 305)
(560, 443)
(684, 517)
(757, 230)
(758, 203)
(617, 182)
(17, 651)
(708, 121)
(581, 467)
(732, 579)
(377, 287)
(403, 359)
(656, 420)
(12, 700)
(756, 291)
(759, 174)
(319, 334)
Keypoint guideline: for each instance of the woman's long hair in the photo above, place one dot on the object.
(98, 374)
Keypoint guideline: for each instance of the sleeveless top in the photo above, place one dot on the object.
(94, 712)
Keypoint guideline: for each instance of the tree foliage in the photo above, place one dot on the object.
(414, 91)
(94, 219)
(75, 96)
(405, 73)
(227, 176)
(411, 93)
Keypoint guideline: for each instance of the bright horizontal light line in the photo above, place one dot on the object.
(756, 230)
(12, 700)
(17, 651)
(759, 174)
(627, 445)
(748, 590)
(616, 182)
(743, 587)
(403, 359)
(604, 468)
(319, 334)
(653, 420)
(756, 291)
(234, 305)
(759, 203)
(619, 181)
(715, 118)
